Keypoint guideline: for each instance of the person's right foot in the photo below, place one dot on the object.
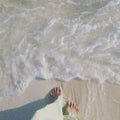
(72, 107)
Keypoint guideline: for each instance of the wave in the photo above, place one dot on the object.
(58, 40)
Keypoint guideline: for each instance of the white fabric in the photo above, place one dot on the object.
(52, 111)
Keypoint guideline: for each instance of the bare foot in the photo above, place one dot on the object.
(55, 92)
(72, 107)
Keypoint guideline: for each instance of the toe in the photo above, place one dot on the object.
(57, 90)
(73, 105)
(52, 93)
(70, 104)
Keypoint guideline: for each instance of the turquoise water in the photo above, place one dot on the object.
(58, 39)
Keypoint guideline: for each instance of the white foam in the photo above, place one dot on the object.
(59, 40)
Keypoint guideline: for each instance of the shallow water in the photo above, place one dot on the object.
(58, 39)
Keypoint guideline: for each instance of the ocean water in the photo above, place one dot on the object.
(58, 39)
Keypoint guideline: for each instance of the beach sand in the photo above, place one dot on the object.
(96, 101)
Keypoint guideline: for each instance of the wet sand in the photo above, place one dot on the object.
(96, 101)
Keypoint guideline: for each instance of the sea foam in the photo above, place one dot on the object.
(58, 40)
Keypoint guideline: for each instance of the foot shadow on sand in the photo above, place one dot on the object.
(25, 112)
